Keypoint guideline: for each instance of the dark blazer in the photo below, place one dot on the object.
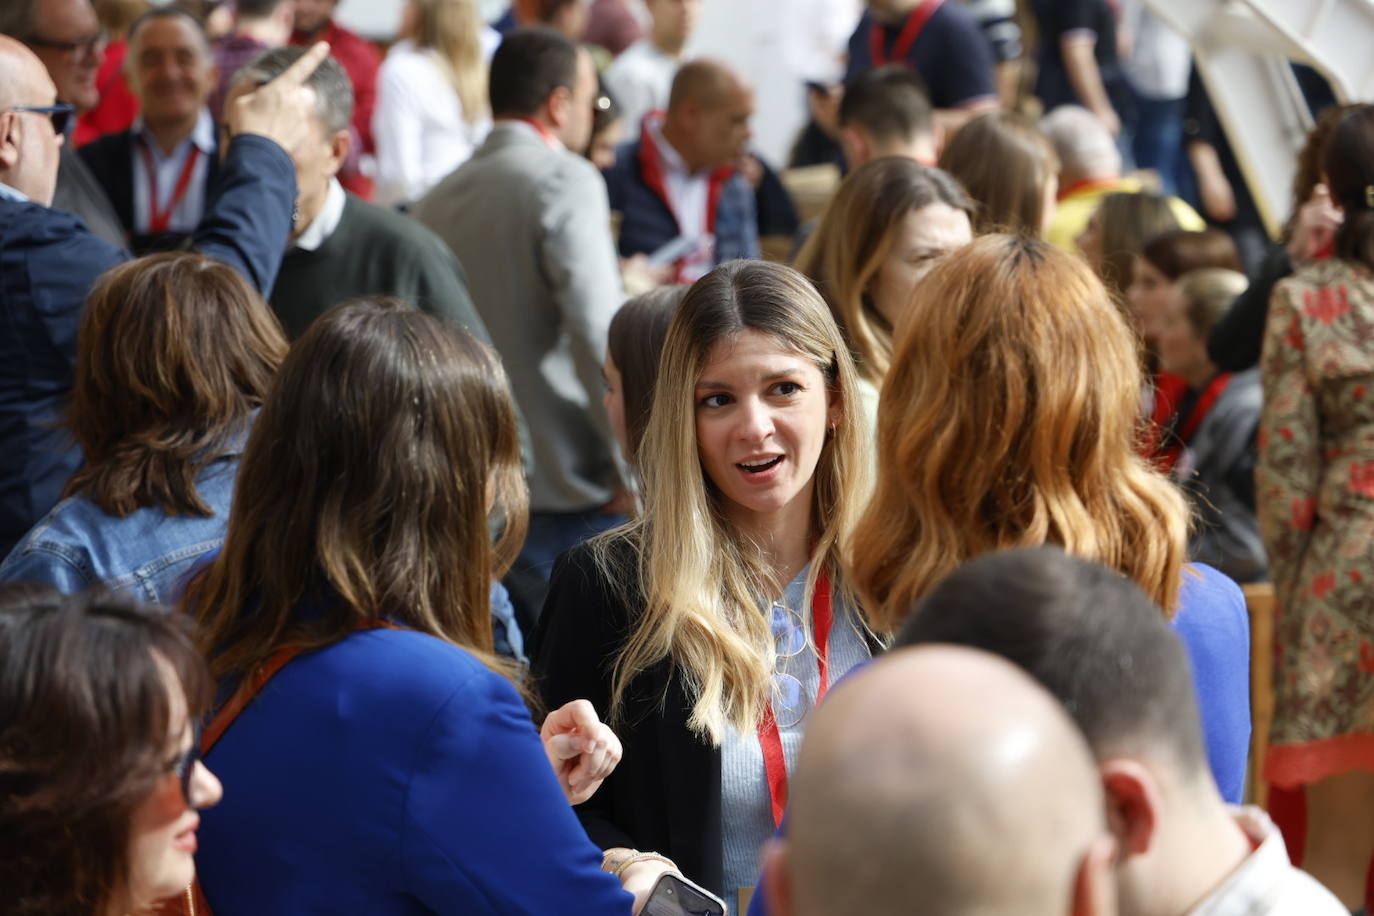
(48, 262)
(111, 161)
(647, 223)
(665, 794)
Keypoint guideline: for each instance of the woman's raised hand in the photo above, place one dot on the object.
(581, 749)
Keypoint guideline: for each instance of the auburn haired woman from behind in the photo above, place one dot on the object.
(701, 626)
(1038, 378)
(175, 355)
(395, 755)
(99, 775)
(884, 229)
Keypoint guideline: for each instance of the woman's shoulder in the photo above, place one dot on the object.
(1211, 607)
(413, 663)
(1330, 272)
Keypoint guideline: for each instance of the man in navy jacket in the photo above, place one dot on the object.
(678, 180)
(49, 259)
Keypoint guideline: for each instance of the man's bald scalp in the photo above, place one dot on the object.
(942, 775)
(704, 81)
(19, 70)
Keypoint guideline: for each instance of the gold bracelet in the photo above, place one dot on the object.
(638, 856)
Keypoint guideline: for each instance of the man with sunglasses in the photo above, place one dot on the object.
(66, 36)
(49, 259)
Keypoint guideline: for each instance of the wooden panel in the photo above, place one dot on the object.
(1259, 600)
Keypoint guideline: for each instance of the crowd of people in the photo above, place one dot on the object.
(424, 487)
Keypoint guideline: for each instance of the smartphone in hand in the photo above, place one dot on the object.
(674, 895)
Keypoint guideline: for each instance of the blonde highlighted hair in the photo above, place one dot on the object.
(453, 29)
(855, 236)
(1009, 419)
(702, 581)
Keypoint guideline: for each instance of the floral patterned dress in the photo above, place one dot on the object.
(1315, 490)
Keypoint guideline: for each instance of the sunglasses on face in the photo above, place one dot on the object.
(84, 46)
(186, 766)
(61, 114)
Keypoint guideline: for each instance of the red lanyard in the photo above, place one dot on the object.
(549, 139)
(1178, 441)
(159, 220)
(774, 763)
(906, 39)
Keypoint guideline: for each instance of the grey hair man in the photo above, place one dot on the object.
(343, 247)
(945, 776)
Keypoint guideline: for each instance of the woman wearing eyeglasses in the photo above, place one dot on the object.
(707, 628)
(99, 780)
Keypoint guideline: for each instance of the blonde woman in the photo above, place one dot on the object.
(1037, 377)
(709, 627)
(432, 109)
(886, 227)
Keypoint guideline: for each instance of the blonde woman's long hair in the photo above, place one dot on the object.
(453, 29)
(1009, 419)
(855, 236)
(701, 580)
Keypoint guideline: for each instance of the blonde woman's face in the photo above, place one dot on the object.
(922, 238)
(762, 412)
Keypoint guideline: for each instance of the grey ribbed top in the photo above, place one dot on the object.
(746, 809)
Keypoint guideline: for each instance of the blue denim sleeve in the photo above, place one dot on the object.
(505, 631)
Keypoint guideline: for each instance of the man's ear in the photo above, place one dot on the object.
(9, 140)
(854, 145)
(777, 883)
(1134, 804)
(558, 106)
(339, 145)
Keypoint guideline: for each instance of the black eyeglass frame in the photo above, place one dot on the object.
(84, 45)
(186, 767)
(60, 114)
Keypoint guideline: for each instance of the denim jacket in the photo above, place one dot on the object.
(146, 554)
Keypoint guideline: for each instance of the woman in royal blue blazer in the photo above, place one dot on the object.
(377, 755)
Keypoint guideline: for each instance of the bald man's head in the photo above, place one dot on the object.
(709, 109)
(29, 144)
(945, 776)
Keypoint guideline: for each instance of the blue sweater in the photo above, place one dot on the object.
(392, 773)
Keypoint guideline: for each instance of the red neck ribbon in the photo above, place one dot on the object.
(774, 763)
(160, 219)
(906, 39)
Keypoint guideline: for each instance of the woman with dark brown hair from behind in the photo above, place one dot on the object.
(633, 346)
(174, 356)
(99, 777)
(365, 714)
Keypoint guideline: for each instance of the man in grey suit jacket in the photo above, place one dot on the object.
(530, 222)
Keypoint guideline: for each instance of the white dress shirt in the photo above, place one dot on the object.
(1266, 883)
(10, 193)
(688, 197)
(168, 167)
(326, 221)
(419, 126)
